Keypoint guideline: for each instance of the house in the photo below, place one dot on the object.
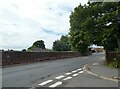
(95, 48)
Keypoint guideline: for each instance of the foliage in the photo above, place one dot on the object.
(23, 50)
(115, 63)
(95, 23)
(107, 24)
(37, 44)
(62, 44)
(79, 36)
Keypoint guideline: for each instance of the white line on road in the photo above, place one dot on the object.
(46, 82)
(74, 71)
(79, 69)
(95, 64)
(81, 72)
(68, 73)
(67, 78)
(59, 77)
(75, 74)
(56, 84)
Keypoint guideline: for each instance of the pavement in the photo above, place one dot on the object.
(96, 74)
(100, 68)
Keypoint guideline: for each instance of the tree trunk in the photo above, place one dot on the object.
(118, 40)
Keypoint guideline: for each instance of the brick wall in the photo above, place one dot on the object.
(13, 57)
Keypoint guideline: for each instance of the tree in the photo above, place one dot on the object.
(107, 25)
(79, 36)
(57, 46)
(38, 44)
(62, 44)
(95, 23)
(23, 50)
(65, 40)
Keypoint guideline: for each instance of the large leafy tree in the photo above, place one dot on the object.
(80, 37)
(107, 25)
(57, 46)
(95, 23)
(62, 44)
(38, 44)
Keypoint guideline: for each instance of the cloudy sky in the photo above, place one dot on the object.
(23, 22)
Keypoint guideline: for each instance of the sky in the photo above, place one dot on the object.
(22, 22)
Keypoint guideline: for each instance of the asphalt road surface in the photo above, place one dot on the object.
(29, 74)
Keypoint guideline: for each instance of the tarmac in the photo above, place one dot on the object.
(97, 74)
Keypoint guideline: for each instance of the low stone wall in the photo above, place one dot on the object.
(111, 55)
(13, 57)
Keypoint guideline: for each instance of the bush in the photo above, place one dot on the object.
(114, 63)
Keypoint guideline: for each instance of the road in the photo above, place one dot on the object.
(30, 74)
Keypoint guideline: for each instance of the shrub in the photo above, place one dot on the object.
(114, 63)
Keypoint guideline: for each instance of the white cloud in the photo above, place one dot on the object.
(22, 22)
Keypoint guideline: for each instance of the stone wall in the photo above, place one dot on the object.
(14, 57)
(111, 55)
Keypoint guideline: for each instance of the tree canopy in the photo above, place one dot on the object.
(38, 44)
(95, 23)
(62, 44)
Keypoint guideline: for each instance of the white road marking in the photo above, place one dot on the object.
(46, 82)
(79, 69)
(74, 71)
(75, 74)
(59, 77)
(56, 84)
(95, 64)
(67, 78)
(68, 73)
(81, 72)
